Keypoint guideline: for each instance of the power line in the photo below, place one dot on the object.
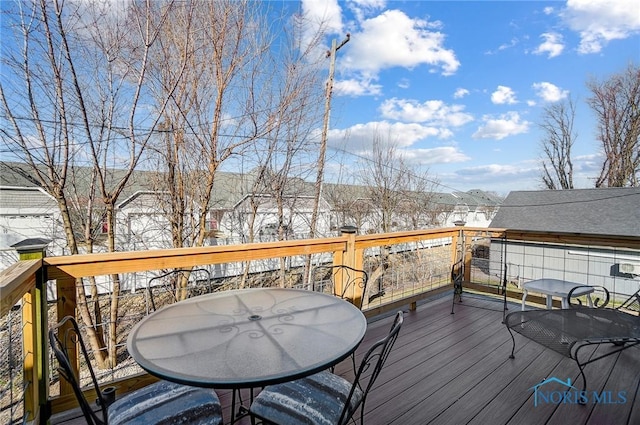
(337, 149)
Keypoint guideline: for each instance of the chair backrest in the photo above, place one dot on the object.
(457, 272)
(631, 304)
(64, 337)
(600, 296)
(372, 363)
(324, 279)
(160, 285)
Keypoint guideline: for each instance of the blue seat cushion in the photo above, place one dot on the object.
(167, 403)
(314, 400)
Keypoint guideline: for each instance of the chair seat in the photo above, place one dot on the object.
(166, 403)
(315, 400)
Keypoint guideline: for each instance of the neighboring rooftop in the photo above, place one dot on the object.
(26, 199)
(604, 211)
(231, 188)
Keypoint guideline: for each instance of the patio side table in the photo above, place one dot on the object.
(557, 288)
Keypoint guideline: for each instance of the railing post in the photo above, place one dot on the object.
(351, 258)
(467, 254)
(34, 320)
(456, 251)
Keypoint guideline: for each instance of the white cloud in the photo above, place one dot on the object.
(439, 155)
(393, 39)
(369, 4)
(600, 21)
(359, 137)
(492, 170)
(548, 10)
(589, 157)
(404, 83)
(353, 87)
(434, 112)
(502, 178)
(460, 93)
(360, 8)
(508, 124)
(549, 92)
(503, 95)
(514, 42)
(325, 14)
(588, 163)
(553, 45)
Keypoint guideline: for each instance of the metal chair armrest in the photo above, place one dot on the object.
(598, 301)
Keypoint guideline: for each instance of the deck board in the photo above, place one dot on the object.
(455, 369)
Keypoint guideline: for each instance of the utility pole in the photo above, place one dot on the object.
(325, 129)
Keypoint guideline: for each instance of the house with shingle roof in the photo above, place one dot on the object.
(27, 213)
(142, 223)
(474, 208)
(603, 211)
(596, 212)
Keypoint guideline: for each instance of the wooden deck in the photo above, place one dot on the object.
(455, 369)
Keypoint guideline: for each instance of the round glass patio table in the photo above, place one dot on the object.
(247, 338)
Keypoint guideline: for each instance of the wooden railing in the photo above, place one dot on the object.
(24, 282)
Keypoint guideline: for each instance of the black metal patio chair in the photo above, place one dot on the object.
(457, 279)
(160, 403)
(324, 280)
(631, 305)
(167, 290)
(457, 275)
(570, 331)
(325, 398)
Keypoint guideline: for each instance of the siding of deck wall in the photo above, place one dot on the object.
(589, 265)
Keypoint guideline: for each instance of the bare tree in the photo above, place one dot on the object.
(394, 186)
(437, 212)
(73, 98)
(294, 104)
(349, 203)
(236, 96)
(616, 103)
(399, 195)
(558, 139)
(207, 63)
(283, 154)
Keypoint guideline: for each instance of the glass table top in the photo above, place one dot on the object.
(247, 338)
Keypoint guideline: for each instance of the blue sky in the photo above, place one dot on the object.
(459, 86)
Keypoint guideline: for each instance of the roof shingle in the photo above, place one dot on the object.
(603, 211)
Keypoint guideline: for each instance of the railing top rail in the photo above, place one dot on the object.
(15, 281)
(369, 241)
(125, 262)
(562, 238)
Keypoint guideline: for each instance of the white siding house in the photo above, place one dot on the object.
(296, 216)
(142, 223)
(28, 213)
